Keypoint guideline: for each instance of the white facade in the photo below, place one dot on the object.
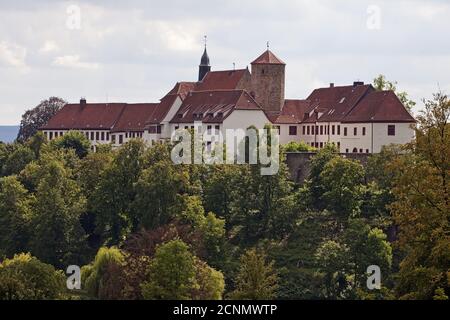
(353, 137)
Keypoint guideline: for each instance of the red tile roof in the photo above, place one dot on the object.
(213, 106)
(161, 110)
(182, 89)
(93, 116)
(293, 112)
(334, 103)
(268, 58)
(221, 80)
(134, 116)
(381, 106)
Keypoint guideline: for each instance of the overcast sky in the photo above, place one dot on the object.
(136, 50)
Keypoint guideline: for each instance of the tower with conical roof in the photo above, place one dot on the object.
(268, 81)
(205, 65)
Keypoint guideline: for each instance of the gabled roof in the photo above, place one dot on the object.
(213, 106)
(334, 103)
(268, 58)
(221, 80)
(133, 117)
(182, 88)
(92, 116)
(161, 110)
(380, 106)
(293, 112)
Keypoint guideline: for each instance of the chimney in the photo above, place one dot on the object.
(331, 85)
(83, 102)
(358, 83)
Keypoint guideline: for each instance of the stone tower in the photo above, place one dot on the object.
(205, 66)
(268, 80)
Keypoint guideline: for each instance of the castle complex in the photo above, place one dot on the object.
(355, 118)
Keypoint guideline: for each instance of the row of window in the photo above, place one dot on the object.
(208, 128)
(325, 130)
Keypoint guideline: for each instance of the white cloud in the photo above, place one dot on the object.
(73, 61)
(49, 46)
(13, 55)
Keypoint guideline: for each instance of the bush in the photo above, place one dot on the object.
(26, 278)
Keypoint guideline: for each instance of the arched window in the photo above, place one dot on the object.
(355, 150)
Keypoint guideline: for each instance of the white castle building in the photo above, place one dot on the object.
(356, 118)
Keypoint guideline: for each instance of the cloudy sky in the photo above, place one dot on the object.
(135, 50)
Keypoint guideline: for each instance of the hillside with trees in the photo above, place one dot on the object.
(142, 227)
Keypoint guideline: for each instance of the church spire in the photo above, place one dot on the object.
(205, 66)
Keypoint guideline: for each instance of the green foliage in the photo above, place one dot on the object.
(176, 274)
(37, 117)
(17, 159)
(115, 192)
(97, 279)
(340, 180)
(26, 278)
(295, 146)
(421, 207)
(73, 140)
(15, 215)
(257, 279)
(57, 236)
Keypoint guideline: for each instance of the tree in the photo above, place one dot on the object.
(342, 179)
(422, 205)
(74, 140)
(15, 215)
(381, 84)
(294, 146)
(176, 274)
(97, 277)
(57, 236)
(116, 191)
(314, 184)
(159, 195)
(332, 260)
(257, 279)
(18, 157)
(37, 117)
(26, 278)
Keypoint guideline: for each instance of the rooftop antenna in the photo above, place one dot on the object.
(268, 45)
(234, 66)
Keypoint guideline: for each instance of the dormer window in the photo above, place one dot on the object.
(342, 100)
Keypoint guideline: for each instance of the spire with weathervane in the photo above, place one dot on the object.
(205, 66)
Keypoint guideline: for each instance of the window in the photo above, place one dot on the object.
(56, 134)
(339, 130)
(177, 127)
(97, 136)
(120, 138)
(217, 128)
(158, 130)
(321, 130)
(113, 139)
(209, 129)
(333, 130)
(355, 131)
(103, 136)
(317, 130)
(391, 130)
(186, 128)
(339, 145)
(364, 131)
(307, 130)
(321, 145)
(92, 136)
(303, 130)
(360, 150)
(87, 135)
(51, 136)
(345, 131)
(346, 150)
(367, 150)
(355, 150)
(292, 130)
(107, 136)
